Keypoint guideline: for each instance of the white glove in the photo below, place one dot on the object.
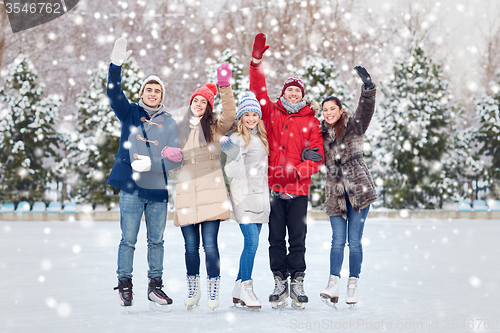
(120, 53)
(142, 164)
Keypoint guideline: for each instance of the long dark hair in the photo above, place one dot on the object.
(206, 122)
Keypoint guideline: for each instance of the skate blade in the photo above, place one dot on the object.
(328, 301)
(249, 308)
(160, 307)
(126, 309)
(352, 306)
(279, 304)
(298, 305)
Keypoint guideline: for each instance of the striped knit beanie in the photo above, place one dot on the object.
(248, 103)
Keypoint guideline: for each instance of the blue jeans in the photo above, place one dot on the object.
(251, 234)
(353, 227)
(209, 233)
(131, 209)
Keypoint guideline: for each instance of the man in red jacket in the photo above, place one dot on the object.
(295, 154)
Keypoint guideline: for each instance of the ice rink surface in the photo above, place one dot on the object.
(417, 276)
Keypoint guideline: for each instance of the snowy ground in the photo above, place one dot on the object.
(418, 275)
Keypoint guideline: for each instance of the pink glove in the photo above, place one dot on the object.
(173, 154)
(259, 46)
(224, 74)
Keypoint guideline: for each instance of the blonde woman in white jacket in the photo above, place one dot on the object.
(247, 161)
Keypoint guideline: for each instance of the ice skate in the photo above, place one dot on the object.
(158, 300)
(213, 285)
(352, 297)
(236, 292)
(279, 296)
(193, 297)
(330, 295)
(125, 291)
(299, 298)
(247, 296)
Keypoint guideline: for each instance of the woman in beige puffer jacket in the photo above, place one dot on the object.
(201, 199)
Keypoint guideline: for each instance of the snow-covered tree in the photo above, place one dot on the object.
(488, 134)
(321, 79)
(413, 147)
(28, 140)
(94, 145)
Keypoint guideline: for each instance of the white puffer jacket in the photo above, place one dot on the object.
(249, 186)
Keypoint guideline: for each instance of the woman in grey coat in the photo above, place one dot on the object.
(247, 154)
(349, 186)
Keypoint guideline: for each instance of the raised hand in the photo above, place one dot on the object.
(230, 148)
(365, 77)
(142, 164)
(311, 155)
(259, 46)
(171, 153)
(120, 53)
(224, 74)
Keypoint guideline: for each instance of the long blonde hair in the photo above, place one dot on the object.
(245, 133)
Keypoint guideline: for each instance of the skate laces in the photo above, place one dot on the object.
(298, 287)
(155, 286)
(249, 290)
(351, 288)
(125, 288)
(279, 285)
(192, 285)
(213, 288)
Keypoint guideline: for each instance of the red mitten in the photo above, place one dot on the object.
(173, 154)
(259, 46)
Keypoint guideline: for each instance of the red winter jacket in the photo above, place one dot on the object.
(288, 134)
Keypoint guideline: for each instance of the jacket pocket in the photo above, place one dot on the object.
(254, 201)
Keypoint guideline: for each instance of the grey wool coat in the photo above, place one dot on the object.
(347, 170)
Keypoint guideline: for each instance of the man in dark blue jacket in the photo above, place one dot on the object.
(148, 133)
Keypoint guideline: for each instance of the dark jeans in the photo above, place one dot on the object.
(288, 216)
(209, 234)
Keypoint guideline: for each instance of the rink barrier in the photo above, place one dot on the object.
(312, 215)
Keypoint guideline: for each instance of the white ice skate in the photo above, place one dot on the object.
(213, 285)
(236, 292)
(352, 296)
(193, 297)
(330, 295)
(278, 298)
(247, 296)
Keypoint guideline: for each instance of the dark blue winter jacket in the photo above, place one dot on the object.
(144, 136)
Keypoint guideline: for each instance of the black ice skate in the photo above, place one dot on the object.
(279, 296)
(158, 300)
(125, 291)
(299, 298)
